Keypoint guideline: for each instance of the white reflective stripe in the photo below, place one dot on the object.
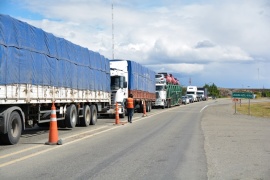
(53, 115)
(53, 119)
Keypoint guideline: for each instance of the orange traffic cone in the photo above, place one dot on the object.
(144, 109)
(116, 114)
(53, 133)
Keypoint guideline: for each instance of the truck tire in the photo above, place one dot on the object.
(148, 107)
(85, 121)
(168, 104)
(93, 115)
(14, 129)
(71, 116)
(123, 114)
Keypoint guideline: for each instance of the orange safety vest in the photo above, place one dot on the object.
(130, 103)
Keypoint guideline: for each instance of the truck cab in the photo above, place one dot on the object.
(192, 90)
(161, 95)
(119, 84)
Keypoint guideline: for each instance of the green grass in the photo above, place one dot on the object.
(261, 109)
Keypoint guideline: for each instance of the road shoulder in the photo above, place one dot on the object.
(237, 146)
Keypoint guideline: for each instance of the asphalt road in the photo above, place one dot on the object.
(203, 140)
(167, 145)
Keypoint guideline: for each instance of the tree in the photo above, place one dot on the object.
(212, 90)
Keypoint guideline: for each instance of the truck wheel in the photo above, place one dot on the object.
(86, 116)
(147, 107)
(14, 129)
(122, 115)
(168, 104)
(71, 116)
(93, 115)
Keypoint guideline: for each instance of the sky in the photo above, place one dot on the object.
(225, 42)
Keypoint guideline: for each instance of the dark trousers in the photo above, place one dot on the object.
(130, 114)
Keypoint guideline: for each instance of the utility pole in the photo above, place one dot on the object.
(258, 77)
(112, 34)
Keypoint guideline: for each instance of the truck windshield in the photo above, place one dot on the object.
(160, 88)
(117, 82)
(200, 93)
(188, 92)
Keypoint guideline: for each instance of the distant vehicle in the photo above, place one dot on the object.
(191, 98)
(167, 77)
(199, 97)
(185, 100)
(192, 90)
(177, 81)
(168, 94)
(202, 92)
(160, 78)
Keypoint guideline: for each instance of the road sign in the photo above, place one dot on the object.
(235, 99)
(247, 95)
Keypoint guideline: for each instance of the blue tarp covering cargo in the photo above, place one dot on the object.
(140, 77)
(29, 55)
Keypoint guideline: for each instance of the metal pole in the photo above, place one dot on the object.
(234, 107)
(112, 35)
(248, 106)
(240, 102)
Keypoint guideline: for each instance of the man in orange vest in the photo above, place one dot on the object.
(130, 107)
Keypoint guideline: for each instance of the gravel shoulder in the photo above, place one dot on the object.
(237, 146)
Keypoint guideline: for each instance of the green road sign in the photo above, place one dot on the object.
(247, 95)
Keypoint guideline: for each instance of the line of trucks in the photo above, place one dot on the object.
(197, 93)
(38, 69)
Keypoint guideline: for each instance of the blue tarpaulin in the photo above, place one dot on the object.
(140, 77)
(29, 55)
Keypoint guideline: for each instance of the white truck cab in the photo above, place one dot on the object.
(119, 86)
(192, 90)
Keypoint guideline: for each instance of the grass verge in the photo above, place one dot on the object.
(261, 109)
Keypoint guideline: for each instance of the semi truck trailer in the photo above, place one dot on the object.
(38, 69)
(130, 77)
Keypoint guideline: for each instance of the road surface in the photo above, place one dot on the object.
(203, 140)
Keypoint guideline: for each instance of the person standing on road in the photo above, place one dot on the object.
(130, 107)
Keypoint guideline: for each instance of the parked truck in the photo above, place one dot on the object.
(130, 77)
(192, 90)
(168, 95)
(38, 69)
(202, 92)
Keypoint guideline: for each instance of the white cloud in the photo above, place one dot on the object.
(185, 38)
(182, 68)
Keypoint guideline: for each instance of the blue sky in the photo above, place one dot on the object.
(225, 42)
